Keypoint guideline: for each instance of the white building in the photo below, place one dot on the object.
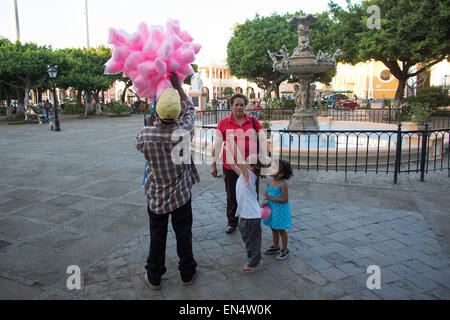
(216, 78)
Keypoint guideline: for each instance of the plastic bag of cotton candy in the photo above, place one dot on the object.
(149, 55)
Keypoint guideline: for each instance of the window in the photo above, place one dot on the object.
(385, 75)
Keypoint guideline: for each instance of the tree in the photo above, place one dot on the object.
(87, 74)
(228, 92)
(24, 67)
(247, 54)
(411, 32)
(189, 77)
(247, 48)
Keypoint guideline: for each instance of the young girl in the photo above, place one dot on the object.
(278, 201)
(248, 209)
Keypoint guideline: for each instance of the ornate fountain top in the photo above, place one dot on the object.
(303, 23)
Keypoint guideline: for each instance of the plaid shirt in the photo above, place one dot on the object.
(168, 185)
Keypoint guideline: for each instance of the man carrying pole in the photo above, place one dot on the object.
(168, 184)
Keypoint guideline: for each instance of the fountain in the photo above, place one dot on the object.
(303, 64)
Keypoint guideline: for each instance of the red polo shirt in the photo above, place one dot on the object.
(246, 141)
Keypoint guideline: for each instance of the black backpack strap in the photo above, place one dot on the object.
(257, 138)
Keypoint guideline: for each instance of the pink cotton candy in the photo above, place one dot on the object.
(147, 68)
(196, 47)
(173, 65)
(186, 37)
(160, 66)
(265, 212)
(157, 33)
(149, 55)
(176, 41)
(185, 69)
(165, 51)
(113, 67)
(185, 56)
(134, 59)
(130, 73)
(143, 31)
(150, 49)
(120, 53)
(173, 26)
(162, 85)
(142, 82)
(136, 41)
(118, 37)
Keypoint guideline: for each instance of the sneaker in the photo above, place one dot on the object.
(229, 230)
(248, 269)
(283, 254)
(152, 286)
(188, 283)
(272, 250)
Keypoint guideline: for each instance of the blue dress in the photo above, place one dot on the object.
(280, 219)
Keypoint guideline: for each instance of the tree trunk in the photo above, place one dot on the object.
(87, 103)
(277, 90)
(98, 105)
(399, 93)
(20, 113)
(122, 98)
(79, 93)
(26, 98)
(268, 93)
(8, 104)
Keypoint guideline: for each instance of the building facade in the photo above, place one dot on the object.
(369, 80)
(216, 77)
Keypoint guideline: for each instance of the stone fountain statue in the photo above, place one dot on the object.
(304, 65)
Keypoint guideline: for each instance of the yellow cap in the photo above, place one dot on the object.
(168, 106)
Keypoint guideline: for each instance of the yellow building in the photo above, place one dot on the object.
(370, 80)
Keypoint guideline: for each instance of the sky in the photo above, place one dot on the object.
(61, 23)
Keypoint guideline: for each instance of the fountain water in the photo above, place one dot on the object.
(303, 64)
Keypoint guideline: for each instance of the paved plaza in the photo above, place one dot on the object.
(74, 198)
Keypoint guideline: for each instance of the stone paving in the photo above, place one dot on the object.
(74, 198)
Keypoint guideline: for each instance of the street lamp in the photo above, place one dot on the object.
(52, 73)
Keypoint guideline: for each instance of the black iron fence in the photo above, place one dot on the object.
(392, 116)
(380, 151)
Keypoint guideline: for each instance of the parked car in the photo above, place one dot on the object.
(351, 104)
(332, 99)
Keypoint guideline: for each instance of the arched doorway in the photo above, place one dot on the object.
(250, 93)
(206, 90)
(238, 90)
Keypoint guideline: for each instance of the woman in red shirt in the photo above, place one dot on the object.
(238, 124)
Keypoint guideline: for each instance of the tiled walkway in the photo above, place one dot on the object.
(75, 198)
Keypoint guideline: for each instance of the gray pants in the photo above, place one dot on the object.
(251, 234)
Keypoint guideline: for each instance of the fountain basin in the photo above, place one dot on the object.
(304, 65)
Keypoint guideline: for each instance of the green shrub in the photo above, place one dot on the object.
(420, 113)
(434, 97)
(363, 106)
(118, 108)
(266, 124)
(288, 103)
(73, 108)
(13, 123)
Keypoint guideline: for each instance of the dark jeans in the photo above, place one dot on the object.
(230, 187)
(182, 225)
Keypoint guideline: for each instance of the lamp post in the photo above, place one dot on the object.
(52, 72)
